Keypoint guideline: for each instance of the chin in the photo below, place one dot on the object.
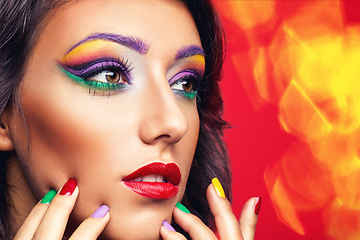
(136, 219)
(138, 232)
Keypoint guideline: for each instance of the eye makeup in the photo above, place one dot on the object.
(100, 41)
(189, 51)
(104, 74)
(130, 42)
(86, 65)
(185, 83)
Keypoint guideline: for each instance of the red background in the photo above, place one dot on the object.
(256, 140)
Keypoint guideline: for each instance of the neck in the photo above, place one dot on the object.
(22, 197)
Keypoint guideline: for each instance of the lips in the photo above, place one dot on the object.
(155, 180)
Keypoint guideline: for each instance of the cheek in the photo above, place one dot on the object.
(185, 149)
(70, 132)
(55, 138)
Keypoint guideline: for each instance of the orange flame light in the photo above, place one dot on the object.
(308, 67)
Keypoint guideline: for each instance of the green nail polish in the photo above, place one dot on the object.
(48, 197)
(182, 207)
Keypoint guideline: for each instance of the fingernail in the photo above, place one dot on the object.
(48, 197)
(182, 207)
(68, 188)
(218, 188)
(257, 205)
(168, 226)
(100, 212)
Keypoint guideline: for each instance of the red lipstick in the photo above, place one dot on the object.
(139, 183)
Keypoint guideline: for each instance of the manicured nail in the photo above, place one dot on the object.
(257, 205)
(48, 197)
(219, 189)
(182, 207)
(168, 226)
(68, 188)
(100, 212)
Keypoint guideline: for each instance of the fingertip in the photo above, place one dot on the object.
(218, 204)
(69, 187)
(168, 226)
(93, 226)
(164, 233)
(211, 194)
(101, 212)
(253, 205)
(179, 216)
(249, 217)
(218, 187)
(106, 218)
(48, 197)
(168, 232)
(182, 207)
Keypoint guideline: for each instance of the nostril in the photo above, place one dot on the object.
(163, 136)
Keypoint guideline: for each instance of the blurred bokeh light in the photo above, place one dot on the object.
(302, 58)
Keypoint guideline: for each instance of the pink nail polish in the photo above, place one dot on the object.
(257, 206)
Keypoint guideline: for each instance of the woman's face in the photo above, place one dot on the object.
(109, 89)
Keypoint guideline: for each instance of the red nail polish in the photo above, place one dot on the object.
(257, 206)
(68, 188)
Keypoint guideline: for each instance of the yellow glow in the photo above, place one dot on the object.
(308, 125)
(285, 210)
(310, 70)
(248, 14)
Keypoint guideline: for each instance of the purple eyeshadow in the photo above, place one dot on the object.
(97, 66)
(182, 75)
(189, 51)
(133, 43)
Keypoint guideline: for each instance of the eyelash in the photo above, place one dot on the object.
(192, 77)
(82, 74)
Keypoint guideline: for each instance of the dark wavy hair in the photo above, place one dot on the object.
(21, 22)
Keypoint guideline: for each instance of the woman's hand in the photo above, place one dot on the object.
(228, 228)
(48, 220)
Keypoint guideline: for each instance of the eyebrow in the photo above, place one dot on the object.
(189, 51)
(133, 43)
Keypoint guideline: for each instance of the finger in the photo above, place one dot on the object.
(55, 219)
(249, 217)
(91, 227)
(167, 232)
(226, 223)
(193, 225)
(36, 215)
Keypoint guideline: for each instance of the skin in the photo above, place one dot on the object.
(99, 139)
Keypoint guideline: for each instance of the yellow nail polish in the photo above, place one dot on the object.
(218, 188)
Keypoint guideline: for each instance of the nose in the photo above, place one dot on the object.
(162, 120)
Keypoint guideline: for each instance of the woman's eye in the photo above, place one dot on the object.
(187, 85)
(108, 76)
(102, 77)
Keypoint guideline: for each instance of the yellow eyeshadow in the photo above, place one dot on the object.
(198, 59)
(88, 48)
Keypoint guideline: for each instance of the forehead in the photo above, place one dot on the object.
(164, 24)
